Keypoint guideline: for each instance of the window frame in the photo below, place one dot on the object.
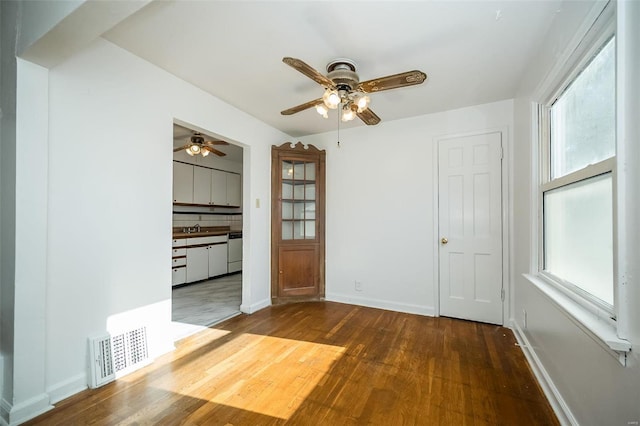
(596, 41)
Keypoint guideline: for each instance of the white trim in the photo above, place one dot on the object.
(255, 307)
(557, 402)
(67, 388)
(5, 409)
(381, 304)
(595, 324)
(29, 409)
(563, 64)
(436, 227)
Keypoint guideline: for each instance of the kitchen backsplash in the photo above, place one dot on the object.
(234, 221)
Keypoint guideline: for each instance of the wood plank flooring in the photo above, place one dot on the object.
(324, 363)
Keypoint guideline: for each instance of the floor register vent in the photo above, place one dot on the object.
(119, 354)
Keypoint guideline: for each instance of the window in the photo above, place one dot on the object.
(577, 190)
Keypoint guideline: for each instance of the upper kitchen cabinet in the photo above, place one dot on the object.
(203, 186)
(182, 183)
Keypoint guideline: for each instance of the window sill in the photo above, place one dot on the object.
(598, 328)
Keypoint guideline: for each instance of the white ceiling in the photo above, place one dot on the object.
(472, 51)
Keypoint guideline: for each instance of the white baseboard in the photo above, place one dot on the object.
(255, 307)
(381, 304)
(66, 388)
(560, 407)
(5, 409)
(27, 410)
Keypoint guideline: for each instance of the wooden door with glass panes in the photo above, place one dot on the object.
(297, 223)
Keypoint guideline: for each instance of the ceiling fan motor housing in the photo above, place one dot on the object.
(343, 74)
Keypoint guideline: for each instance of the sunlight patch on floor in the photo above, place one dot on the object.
(276, 374)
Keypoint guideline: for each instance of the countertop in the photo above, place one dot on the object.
(205, 231)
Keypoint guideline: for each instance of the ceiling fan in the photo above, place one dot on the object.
(197, 145)
(343, 89)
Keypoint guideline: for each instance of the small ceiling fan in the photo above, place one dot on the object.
(343, 89)
(197, 145)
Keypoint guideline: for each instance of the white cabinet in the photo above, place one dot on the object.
(235, 255)
(218, 187)
(217, 260)
(201, 185)
(234, 189)
(182, 183)
(178, 275)
(197, 263)
(205, 186)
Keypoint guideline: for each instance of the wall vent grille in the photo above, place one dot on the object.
(121, 353)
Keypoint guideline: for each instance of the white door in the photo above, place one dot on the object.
(470, 227)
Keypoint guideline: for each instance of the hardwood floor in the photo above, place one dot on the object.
(325, 363)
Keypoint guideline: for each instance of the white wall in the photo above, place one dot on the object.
(108, 205)
(590, 385)
(380, 206)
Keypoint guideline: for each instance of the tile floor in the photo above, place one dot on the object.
(203, 304)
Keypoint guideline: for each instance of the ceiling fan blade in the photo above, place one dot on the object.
(307, 70)
(213, 150)
(302, 107)
(213, 142)
(408, 78)
(181, 148)
(369, 117)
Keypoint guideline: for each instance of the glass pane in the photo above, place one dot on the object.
(287, 170)
(298, 171)
(310, 210)
(578, 236)
(298, 211)
(287, 231)
(310, 229)
(298, 192)
(310, 191)
(287, 210)
(583, 118)
(310, 171)
(287, 191)
(298, 229)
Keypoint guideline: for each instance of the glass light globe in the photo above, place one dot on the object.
(331, 99)
(362, 102)
(348, 114)
(195, 149)
(322, 110)
(204, 152)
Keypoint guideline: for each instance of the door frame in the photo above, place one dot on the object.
(507, 220)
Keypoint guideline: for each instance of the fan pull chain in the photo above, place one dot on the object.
(338, 115)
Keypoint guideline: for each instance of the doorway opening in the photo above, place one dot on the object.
(207, 224)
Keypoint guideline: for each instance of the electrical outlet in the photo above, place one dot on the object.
(358, 285)
(524, 319)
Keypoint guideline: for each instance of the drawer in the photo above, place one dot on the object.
(234, 266)
(179, 252)
(207, 240)
(178, 276)
(179, 242)
(178, 261)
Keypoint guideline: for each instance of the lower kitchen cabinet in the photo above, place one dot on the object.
(197, 263)
(217, 259)
(179, 275)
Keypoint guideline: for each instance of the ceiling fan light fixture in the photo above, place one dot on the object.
(362, 101)
(331, 98)
(204, 152)
(193, 149)
(347, 113)
(322, 110)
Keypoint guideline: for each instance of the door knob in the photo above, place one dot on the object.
(444, 240)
